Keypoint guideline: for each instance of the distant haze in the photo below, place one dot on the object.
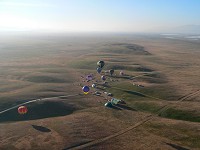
(100, 15)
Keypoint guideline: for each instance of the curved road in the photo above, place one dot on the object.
(35, 100)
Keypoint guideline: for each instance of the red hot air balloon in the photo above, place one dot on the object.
(22, 110)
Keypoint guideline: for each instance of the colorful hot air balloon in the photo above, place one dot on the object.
(103, 78)
(22, 110)
(111, 71)
(86, 89)
(100, 64)
(99, 70)
(89, 77)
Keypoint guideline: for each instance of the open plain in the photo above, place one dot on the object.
(163, 113)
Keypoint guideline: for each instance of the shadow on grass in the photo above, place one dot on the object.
(40, 110)
(114, 107)
(122, 77)
(134, 93)
(180, 115)
(77, 144)
(125, 107)
(176, 146)
(41, 128)
(45, 79)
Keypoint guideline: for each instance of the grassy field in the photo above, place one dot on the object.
(41, 66)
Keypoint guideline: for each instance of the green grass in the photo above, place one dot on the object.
(119, 60)
(12, 86)
(84, 64)
(128, 95)
(133, 94)
(128, 68)
(128, 90)
(45, 79)
(40, 91)
(120, 51)
(148, 107)
(8, 102)
(175, 132)
(87, 64)
(154, 75)
(125, 48)
(54, 70)
(153, 80)
(181, 115)
(40, 110)
(171, 113)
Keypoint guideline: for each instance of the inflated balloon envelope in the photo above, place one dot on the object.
(100, 64)
(85, 89)
(22, 110)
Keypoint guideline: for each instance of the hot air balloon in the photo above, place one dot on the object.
(100, 64)
(86, 89)
(22, 110)
(103, 78)
(99, 70)
(89, 77)
(111, 71)
(94, 85)
(121, 73)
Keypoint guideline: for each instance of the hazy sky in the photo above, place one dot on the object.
(97, 15)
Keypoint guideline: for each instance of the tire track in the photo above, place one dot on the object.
(113, 135)
(190, 95)
(146, 119)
